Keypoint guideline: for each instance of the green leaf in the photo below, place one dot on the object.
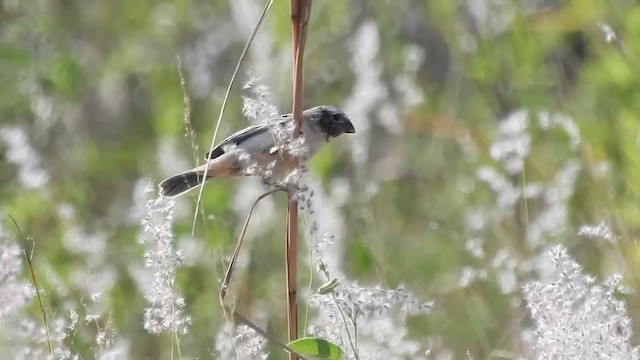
(316, 348)
(64, 73)
(329, 287)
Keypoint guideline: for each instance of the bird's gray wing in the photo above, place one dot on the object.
(253, 136)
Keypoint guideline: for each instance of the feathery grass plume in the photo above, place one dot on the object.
(469, 275)
(20, 153)
(510, 152)
(556, 195)
(507, 180)
(376, 316)
(513, 143)
(256, 106)
(367, 322)
(553, 219)
(240, 342)
(89, 283)
(166, 310)
(475, 222)
(575, 316)
(117, 350)
(548, 121)
(107, 345)
(602, 231)
(14, 292)
(22, 337)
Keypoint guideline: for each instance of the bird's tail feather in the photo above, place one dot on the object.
(180, 184)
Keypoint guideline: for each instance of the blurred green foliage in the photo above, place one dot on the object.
(95, 86)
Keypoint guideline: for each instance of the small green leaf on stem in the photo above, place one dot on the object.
(316, 348)
(329, 286)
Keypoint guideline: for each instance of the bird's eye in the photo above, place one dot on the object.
(335, 117)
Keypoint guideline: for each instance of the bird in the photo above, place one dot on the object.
(260, 150)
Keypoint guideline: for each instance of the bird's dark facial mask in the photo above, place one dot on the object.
(334, 123)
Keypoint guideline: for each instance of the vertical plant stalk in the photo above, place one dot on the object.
(34, 280)
(300, 10)
(237, 317)
(40, 302)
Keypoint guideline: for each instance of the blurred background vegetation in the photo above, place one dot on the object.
(486, 130)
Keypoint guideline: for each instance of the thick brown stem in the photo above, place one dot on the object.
(291, 271)
(299, 15)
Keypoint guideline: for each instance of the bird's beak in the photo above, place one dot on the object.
(347, 127)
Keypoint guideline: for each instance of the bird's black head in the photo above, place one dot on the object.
(330, 120)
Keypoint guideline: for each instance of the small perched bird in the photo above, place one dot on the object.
(259, 150)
